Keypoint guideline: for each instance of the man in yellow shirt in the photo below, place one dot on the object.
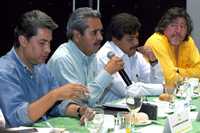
(174, 47)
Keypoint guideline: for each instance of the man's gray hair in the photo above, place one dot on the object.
(78, 20)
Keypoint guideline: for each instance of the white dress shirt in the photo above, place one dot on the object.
(136, 67)
(156, 75)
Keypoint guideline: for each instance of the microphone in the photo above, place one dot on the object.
(122, 73)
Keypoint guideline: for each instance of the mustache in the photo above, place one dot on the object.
(177, 35)
(98, 42)
(138, 48)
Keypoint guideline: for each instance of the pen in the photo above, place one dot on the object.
(47, 123)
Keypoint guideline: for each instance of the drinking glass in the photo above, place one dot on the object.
(96, 124)
(171, 91)
(124, 121)
(134, 104)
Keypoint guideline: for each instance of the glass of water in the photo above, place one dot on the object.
(134, 104)
(96, 124)
(124, 120)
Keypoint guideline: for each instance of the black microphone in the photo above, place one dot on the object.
(121, 72)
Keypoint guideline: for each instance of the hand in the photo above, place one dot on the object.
(87, 114)
(169, 88)
(147, 52)
(71, 91)
(114, 65)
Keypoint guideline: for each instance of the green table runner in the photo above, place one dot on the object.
(70, 124)
(73, 124)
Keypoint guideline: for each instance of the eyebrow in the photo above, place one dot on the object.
(44, 40)
(132, 36)
(176, 21)
(95, 30)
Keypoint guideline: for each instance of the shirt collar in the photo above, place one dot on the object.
(118, 52)
(82, 57)
(20, 61)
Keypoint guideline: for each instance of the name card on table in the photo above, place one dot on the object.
(178, 123)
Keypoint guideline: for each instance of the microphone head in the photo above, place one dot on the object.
(110, 54)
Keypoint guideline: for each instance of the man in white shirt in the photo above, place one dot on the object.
(123, 41)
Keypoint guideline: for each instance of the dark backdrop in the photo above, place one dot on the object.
(148, 12)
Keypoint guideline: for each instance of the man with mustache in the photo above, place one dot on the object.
(122, 35)
(75, 61)
(174, 47)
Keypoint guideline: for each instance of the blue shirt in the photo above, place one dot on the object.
(70, 64)
(19, 87)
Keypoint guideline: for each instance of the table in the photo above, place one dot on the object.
(195, 124)
(73, 124)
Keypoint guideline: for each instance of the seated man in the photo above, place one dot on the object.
(174, 47)
(123, 33)
(75, 61)
(28, 90)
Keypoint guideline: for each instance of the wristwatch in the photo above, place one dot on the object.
(164, 88)
(78, 111)
(153, 63)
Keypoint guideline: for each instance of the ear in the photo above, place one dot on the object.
(76, 36)
(22, 40)
(115, 40)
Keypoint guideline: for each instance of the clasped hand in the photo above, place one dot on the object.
(88, 114)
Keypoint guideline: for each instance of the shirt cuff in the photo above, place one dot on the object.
(152, 89)
(63, 105)
(158, 89)
(22, 115)
(182, 71)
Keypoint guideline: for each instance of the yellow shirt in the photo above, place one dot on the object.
(187, 63)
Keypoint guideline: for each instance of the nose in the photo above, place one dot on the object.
(47, 49)
(178, 28)
(135, 42)
(99, 36)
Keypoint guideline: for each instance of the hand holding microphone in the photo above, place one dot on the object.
(121, 71)
(114, 64)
